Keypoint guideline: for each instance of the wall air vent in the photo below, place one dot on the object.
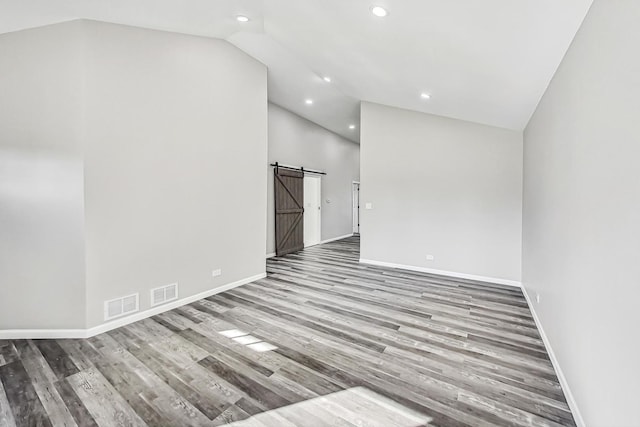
(121, 306)
(164, 294)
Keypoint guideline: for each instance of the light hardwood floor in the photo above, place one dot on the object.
(383, 346)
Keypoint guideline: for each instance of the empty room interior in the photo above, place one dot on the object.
(270, 213)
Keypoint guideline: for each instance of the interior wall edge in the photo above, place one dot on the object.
(571, 401)
(457, 275)
(12, 334)
(294, 140)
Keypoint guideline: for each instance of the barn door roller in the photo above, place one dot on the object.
(293, 168)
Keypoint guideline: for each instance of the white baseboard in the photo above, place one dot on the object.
(554, 361)
(336, 238)
(443, 273)
(271, 255)
(105, 327)
(23, 334)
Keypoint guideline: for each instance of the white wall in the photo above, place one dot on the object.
(298, 142)
(42, 270)
(440, 186)
(171, 131)
(581, 228)
(175, 150)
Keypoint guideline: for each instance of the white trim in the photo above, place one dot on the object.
(355, 209)
(336, 238)
(554, 361)
(271, 255)
(444, 273)
(22, 334)
(105, 327)
(175, 304)
(307, 223)
(571, 401)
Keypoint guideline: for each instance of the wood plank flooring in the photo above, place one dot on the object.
(458, 352)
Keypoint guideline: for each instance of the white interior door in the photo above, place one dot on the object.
(356, 207)
(312, 213)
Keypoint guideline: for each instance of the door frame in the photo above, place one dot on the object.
(355, 210)
(319, 200)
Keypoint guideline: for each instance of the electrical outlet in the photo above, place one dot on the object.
(538, 298)
(430, 257)
(216, 273)
(368, 206)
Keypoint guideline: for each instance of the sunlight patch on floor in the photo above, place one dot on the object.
(356, 406)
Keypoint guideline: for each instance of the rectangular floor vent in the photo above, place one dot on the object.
(121, 306)
(164, 294)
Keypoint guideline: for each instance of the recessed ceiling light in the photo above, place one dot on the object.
(425, 95)
(379, 11)
(242, 18)
(352, 126)
(308, 101)
(327, 79)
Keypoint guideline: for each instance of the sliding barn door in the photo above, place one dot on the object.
(289, 202)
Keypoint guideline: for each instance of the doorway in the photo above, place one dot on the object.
(356, 207)
(312, 211)
(289, 208)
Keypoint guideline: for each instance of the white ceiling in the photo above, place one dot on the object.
(484, 61)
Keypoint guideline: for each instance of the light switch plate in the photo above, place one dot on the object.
(368, 206)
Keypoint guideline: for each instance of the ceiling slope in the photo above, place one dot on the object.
(487, 62)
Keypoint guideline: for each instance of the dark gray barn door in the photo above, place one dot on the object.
(289, 202)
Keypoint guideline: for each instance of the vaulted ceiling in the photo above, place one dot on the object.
(486, 61)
